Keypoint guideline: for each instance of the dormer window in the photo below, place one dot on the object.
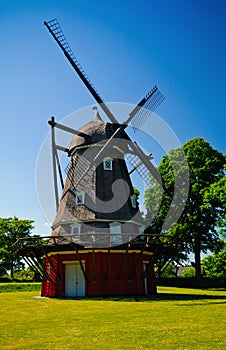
(133, 201)
(107, 162)
(75, 229)
(80, 198)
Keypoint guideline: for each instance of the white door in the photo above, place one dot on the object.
(74, 280)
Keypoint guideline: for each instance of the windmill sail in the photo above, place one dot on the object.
(57, 33)
(83, 169)
(149, 104)
(138, 165)
(137, 116)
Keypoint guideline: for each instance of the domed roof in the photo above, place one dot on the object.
(95, 131)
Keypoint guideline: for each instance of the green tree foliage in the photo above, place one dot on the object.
(169, 271)
(136, 193)
(11, 229)
(215, 199)
(204, 207)
(214, 265)
(189, 272)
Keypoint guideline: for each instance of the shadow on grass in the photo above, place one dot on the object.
(186, 297)
(158, 297)
(173, 297)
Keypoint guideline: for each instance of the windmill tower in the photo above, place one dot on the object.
(97, 246)
(88, 205)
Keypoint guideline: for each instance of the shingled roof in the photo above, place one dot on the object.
(95, 129)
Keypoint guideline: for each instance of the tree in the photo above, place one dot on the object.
(11, 229)
(214, 265)
(215, 198)
(197, 226)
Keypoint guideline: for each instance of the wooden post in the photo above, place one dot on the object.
(54, 163)
(123, 263)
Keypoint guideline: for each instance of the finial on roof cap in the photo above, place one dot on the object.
(96, 116)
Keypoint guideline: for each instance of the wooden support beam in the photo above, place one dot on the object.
(165, 265)
(60, 172)
(63, 149)
(108, 264)
(136, 264)
(54, 163)
(80, 262)
(40, 264)
(94, 266)
(67, 129)
(32, 266)
(148, 267)
(51, 264)
(123, 263)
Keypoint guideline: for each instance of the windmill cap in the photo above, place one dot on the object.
(95, 130)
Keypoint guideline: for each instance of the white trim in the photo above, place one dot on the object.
(80, 198)
(116, 232)
(96, 220)
(74, 226)
(133, 201)
(69, 252)
(145, 263)
(114, 227)
(107, 163)
(73, 262)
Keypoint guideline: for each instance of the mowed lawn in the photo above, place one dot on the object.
(185, 319)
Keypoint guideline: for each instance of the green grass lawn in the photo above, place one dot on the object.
(179, 319)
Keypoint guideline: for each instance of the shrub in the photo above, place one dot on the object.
(169, 271)
(188, 272)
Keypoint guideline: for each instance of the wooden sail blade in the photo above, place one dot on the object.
(138, 165)
(77, 171)
(147, 105)
(57, 33)
(67, 129)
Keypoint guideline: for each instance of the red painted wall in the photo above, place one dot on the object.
(122, 277)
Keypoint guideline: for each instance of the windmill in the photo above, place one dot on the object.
(97, 246)
(136, 117)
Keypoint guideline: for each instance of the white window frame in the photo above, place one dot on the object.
(82, 195)
(116, 228)
(133, 201)
(113, 227)
(141, 230)
(110, 161)
(76, 226)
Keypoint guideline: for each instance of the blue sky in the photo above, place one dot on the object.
(126, 47)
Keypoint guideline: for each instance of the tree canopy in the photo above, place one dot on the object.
(214, 265)
(11, 229)
(203, 209)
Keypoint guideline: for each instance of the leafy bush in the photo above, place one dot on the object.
(169, 271)
(27, 274)
(188, 272)
(214, 265)
(20, 287)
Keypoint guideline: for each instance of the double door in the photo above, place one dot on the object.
(74, 280)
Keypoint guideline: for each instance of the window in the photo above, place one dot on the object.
(80, 197)
(115, 227)
(107, 162)
(133, 201)
(141, 230)
(75, 228)
(116, 233)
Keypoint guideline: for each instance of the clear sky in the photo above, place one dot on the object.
(126, 47)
